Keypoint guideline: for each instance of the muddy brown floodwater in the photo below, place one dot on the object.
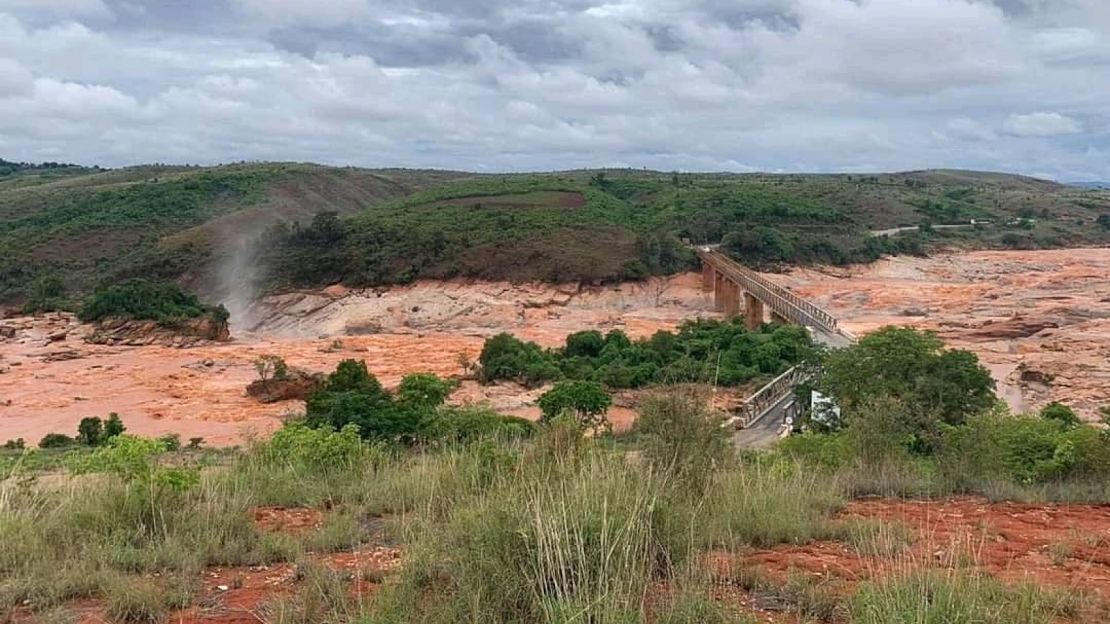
(1039, 320)
(49, 385)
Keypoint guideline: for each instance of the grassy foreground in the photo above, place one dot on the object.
(558, 528)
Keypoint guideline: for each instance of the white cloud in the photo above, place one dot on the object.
(1041, 125)
(544, 84)
(320, 13)
(57, 8)
(15, 80)
(964, 129)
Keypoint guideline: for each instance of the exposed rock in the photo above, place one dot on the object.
(1028, 375)
(297, 384)
(181, 334)
(1013, 328)
(7, 331)
(57, 336)
(1045, 309)
(62, 355)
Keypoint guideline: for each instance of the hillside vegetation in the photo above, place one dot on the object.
(296, 225)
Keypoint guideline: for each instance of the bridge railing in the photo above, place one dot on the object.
(780, 299)
(758, 404)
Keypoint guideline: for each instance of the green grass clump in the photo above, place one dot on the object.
(577, 535)
(763, 504)
(958, 597)
(136, 602)
(872, 538)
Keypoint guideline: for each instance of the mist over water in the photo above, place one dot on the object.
(238, 278)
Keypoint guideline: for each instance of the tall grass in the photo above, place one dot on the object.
(556, 529)
(763, 503)
(579, 537)
(958, 597)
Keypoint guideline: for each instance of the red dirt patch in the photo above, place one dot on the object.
(1066, 546)
(236, 595)
(1062, 545)
(293, 520)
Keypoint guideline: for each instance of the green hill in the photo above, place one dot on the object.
(301, 225)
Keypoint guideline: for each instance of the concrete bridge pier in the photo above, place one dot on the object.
(718, 292)
(753, 311)
(708, 277)
(732, 299)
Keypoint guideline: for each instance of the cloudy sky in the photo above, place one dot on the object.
(494, 85)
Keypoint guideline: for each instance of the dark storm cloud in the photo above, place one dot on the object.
(502, 84)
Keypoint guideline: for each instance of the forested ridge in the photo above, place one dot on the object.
(307, 225)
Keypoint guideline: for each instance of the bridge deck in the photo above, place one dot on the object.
(780, 299)
(761, 417)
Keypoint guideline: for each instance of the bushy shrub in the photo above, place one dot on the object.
(505, 357)
(46, 294)
(725, 353)
(321, 448)
(584, 344)
(586, 400)
(414, 414)
(1061, 413)
(913, 367)
(424, 391)
(56, 440)
(142, 299)
(170, 441)
(468, 424)
(1024, 450)
(682, 436)
(113, 426)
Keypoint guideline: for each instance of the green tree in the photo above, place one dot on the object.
(352, 396)
(586, 400)
(46, 294)
(424, 390)
(113, 426)
(505, 357)
(352, 376)
(1060, 413)
(912, 367)
(584, 344)
(143, 299)
(90, 431)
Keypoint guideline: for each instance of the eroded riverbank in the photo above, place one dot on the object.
(1039, 320)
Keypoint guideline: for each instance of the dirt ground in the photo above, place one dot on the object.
(1066, 547)
(1039, 320)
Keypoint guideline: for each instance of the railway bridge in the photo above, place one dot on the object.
(737, 289)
